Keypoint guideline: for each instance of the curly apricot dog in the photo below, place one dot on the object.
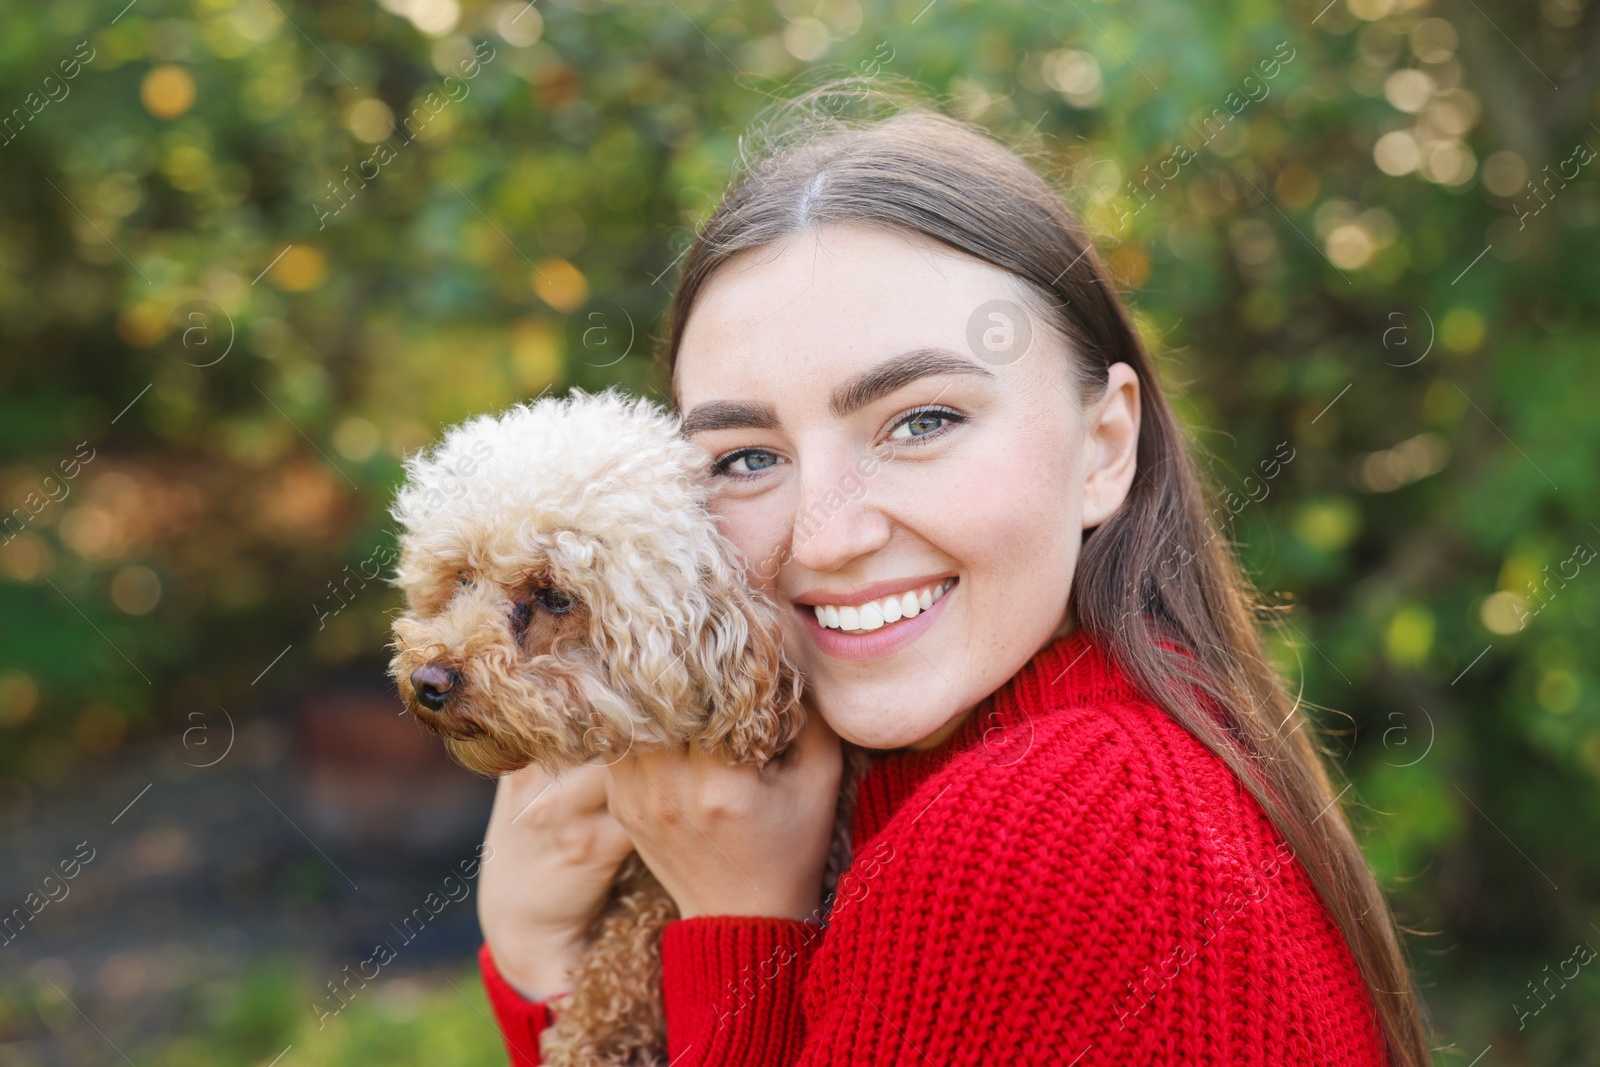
(569, 598)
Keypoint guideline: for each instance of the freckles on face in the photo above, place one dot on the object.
(867, 450)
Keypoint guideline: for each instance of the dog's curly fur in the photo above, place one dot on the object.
(561, 568)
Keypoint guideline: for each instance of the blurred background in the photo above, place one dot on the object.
(254, 251)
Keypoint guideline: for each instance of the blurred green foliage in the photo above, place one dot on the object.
(431, 1020)
(251, 252)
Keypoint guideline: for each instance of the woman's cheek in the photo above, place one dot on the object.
(756, 529)
(1016, 536)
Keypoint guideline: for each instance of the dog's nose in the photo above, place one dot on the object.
(433, 684)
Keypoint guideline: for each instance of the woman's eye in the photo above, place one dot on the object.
(749, 461)
(924, 424)
(921, 424)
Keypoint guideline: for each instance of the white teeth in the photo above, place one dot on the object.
(874, 615)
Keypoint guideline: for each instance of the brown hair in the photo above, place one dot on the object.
(911, 168)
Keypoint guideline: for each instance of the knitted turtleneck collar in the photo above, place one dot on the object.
(1069, 670)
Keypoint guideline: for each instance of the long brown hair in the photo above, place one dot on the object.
(851, 151)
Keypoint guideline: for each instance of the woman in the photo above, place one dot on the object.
(1093, 830)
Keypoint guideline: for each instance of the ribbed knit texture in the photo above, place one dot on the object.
(521, 1020)
(1070, 879)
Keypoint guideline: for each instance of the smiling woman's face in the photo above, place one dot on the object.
(931, 502)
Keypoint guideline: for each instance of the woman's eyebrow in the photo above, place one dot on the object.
(729, 415)
(893, 373)
(896, 372)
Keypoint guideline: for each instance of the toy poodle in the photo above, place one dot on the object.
(570, 599)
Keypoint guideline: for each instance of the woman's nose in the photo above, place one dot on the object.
(835, 521)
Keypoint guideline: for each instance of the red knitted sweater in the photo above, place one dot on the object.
(1069, 879)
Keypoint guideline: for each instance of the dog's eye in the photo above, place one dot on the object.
(464, 579)
(553, 600)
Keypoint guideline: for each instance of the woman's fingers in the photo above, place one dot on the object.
(646, 787)
(531, 797)
(685, 783)
(679, 784)
(733, 839)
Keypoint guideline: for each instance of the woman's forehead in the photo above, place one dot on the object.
(834, 300)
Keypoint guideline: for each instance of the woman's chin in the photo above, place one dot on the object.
(885, 729)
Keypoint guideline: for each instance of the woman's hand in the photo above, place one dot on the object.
(555, 853)
(727, 840)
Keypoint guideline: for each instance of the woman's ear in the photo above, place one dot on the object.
(1112, 436)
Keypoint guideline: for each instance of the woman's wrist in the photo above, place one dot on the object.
(538, 966)
(798, 908)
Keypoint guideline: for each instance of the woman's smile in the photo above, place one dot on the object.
(865, 611)
(867, 623)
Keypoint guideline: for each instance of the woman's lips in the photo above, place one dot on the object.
(884, 641)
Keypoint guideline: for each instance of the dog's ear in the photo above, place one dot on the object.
(752, 691)
(689, 652)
